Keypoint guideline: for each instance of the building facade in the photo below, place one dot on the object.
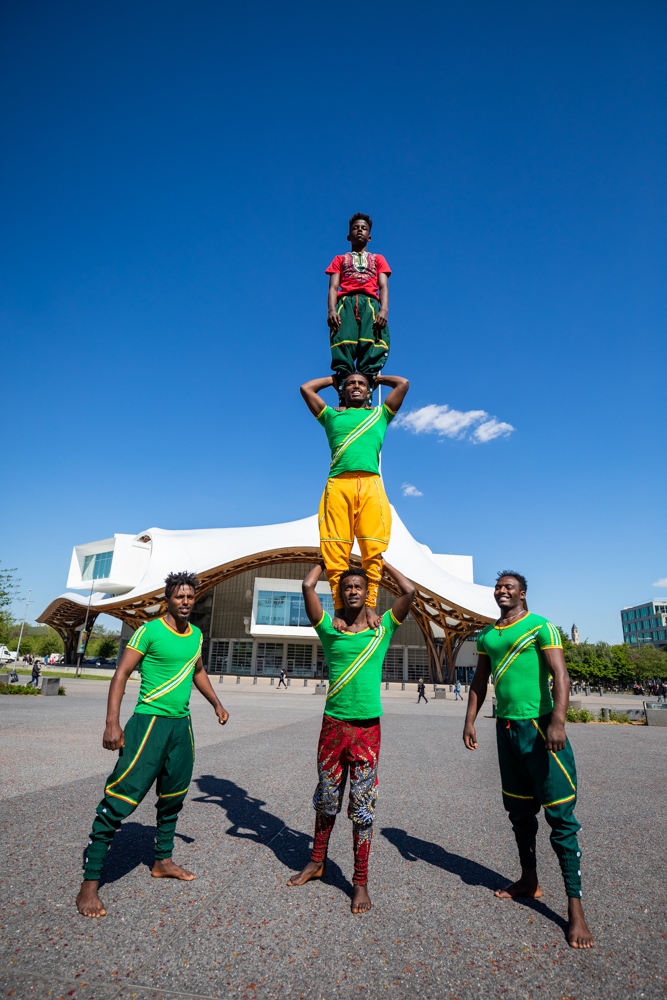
(255, 624)
(645, 623)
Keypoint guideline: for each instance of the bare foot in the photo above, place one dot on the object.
(165, 868)
(527, 886)
(312, 870)
(339, 624)
(361, 901)
(88, 902)
(373, 619)
(578, 933)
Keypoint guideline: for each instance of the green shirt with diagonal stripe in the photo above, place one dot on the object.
(167, 667)
(355, 667)
(519, 668)
(355, 437)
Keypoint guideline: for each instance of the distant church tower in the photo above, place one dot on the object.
(575, 635)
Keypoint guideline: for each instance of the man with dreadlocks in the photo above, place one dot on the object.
(354, 503)
(157, 744)
(521, 652)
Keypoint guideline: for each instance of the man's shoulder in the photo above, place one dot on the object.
(536, 621)
(324, 624)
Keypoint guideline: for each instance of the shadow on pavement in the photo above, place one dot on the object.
(470, 872)
(250, 821)
(133, 845)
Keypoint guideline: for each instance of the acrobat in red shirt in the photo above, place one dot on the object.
(359, 272)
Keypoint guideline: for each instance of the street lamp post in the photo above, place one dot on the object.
(85, 625)
(25, 615)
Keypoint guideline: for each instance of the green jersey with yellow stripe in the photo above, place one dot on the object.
(355, 437)
(167, 667)
(519, 669)
(355, 667)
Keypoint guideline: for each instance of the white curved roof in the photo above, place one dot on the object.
(201, 550)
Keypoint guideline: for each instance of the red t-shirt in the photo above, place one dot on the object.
(358, 272)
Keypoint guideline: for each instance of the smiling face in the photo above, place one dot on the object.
(353, 590)
(508, 594)
(356, 389)
(181, 602)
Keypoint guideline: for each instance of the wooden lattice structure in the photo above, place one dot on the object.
(444, 625)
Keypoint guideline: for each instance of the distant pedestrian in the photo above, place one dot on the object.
(457, 691)
(421, 691)
(283, 675)
(35, 674)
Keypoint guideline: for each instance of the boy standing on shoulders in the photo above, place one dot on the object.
(537, 766)
(358, 304)
(157, 744)
(350, 736)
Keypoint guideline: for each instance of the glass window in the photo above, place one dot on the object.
(392, 668)
(418, 664)
(661, 635)
(322, 667)
(625, 616)
(269, 657)
(643, 612)
(625, 628)
(299, 659)
(218, 657)
(241, 658)
(98, 566)
(631, 614)
(276, 607)
(633, 638)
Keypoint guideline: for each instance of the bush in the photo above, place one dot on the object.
(18, 689)
(620, 717)
(579, 716)
(62, 690)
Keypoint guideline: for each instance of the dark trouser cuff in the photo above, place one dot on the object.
(570, 866)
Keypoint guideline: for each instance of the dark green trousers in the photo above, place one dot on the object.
(534, 777)
(357, 345)
(157, 749)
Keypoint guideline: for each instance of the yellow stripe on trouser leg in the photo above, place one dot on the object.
(354, 505)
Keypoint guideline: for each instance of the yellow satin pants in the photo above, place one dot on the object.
(354, 505)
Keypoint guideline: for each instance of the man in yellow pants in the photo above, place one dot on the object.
(354, 503)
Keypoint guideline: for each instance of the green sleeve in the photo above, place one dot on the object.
(548, 637)
(140, 640)
(324, 626)
(324, 416)
(480, 642)
(390, 623)
(388, 414)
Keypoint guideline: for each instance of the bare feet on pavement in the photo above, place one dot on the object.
(361, 901)
(527, 886)
(578, 933)
(88, 902)
(166, 868)
(312, 870)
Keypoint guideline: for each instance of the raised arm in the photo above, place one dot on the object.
(399, 387)
(402, 604)
(476, 696)
(309, 391)
(310, 598)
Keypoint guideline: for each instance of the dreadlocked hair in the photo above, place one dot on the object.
(176, 580)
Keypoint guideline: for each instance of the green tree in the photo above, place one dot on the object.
(8, 593)
(650, 664)
(103, 642)
(47, 644)
(564, 637)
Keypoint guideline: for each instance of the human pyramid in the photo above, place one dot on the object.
(522, 652)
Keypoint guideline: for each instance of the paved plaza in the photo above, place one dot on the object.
(442, 845)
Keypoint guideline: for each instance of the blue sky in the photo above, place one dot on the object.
(176, 178)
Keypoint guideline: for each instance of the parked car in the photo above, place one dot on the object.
(7, 655)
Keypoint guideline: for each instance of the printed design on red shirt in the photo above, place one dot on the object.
(359, 267)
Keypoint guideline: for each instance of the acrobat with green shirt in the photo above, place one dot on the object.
(157, 744)
(522, 652)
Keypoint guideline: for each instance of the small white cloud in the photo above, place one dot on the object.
(491, 429)
(411, 491)
(476, 425)
(660, 583)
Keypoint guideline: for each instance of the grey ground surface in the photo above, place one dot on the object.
(442, 844)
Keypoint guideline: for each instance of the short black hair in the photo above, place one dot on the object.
(523, 583)
(176, 580)
(351, 571)
(360, 215)
(367, 377)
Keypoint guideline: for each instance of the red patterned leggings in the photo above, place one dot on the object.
(354, 746)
